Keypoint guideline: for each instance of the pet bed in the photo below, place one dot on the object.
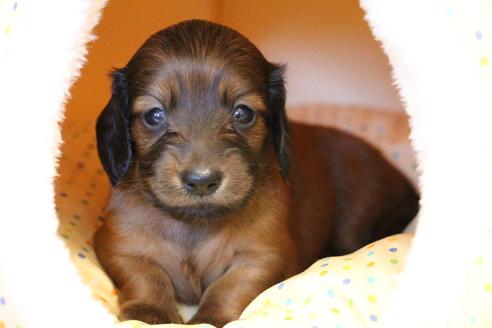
(439, 51)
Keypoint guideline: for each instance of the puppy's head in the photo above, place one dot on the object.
(194, 120)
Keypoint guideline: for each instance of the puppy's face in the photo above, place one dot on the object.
(193, 121)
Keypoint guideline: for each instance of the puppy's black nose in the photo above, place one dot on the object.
(201, 183)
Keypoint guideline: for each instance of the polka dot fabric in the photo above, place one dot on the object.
(81, 193)
(340, 292)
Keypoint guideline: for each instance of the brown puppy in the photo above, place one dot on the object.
(205, 208)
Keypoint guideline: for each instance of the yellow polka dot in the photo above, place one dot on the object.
(288, 318)
(347, 267)
(335, 310)
(372, 298)
(371, 246)
(313, 316)
(479, 261)
(7, 31)
(307, 300)
(347, 259)
(488, 288)
(393, 239)
(265, 313)
(323, 273)
(371, 264)
(2, 324)
(267, 302)
(484, 61)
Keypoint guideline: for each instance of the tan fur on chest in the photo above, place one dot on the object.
(194, 256)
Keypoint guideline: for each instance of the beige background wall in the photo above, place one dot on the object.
(327, 45)
(331, 54)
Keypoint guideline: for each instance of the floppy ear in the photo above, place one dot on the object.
(279, 124)
(113, 131)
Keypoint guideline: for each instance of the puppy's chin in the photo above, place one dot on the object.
(202, 212)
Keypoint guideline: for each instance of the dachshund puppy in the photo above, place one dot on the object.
(206, 207)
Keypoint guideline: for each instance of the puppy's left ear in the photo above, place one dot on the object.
(279, 123)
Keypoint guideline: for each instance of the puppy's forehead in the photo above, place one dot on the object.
(188, 82)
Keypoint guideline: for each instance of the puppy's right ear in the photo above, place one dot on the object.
(113, 130)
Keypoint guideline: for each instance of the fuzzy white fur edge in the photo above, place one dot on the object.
(45, 53)
(447, 96)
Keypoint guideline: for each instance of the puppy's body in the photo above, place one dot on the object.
(218, 109)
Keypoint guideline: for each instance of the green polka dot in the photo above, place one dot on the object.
(350, 302)
(307, 300)
(394, 261)
(335, 310)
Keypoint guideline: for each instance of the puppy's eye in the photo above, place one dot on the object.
(155, 117)
(243, 115)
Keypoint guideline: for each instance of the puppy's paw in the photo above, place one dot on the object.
(149, 314)
(216, 320)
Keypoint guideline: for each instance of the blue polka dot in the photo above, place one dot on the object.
(373, 317)
(393, 249)
(478, 35)
(346, 281)
(371, 280)
(330, 293)
(2, 300)
(449, 12)
(82, 256)
(288, 302)
(15, 6)
(371, 253)
(324, 264)
(338, 325)
(281, 285)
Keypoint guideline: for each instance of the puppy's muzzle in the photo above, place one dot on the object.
(201, 182)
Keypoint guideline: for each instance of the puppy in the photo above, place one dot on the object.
(206, 207)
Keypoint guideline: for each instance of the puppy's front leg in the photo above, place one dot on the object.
(227, 297)
(145, 291)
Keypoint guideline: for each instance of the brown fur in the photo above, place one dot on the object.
(159, 244)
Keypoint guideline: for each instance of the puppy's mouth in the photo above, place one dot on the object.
(201, 213)
(197, 209)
